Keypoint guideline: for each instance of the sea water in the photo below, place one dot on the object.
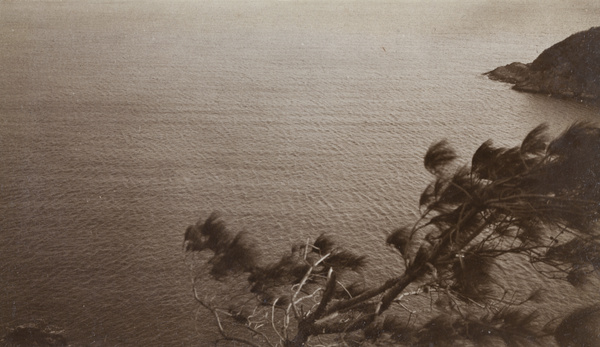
(122, 122)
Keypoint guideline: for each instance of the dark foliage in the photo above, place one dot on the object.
(440, 331)
(438, 157)
(577, 251)
(472, 277)
(231, 253)
(323, 244)
(535, 142)
(399, 238)
(289, 269)
(393, 326)
(339, 258)
(513, 326)
(540, 200)
(398, 329)
(210, 234)
(580, 328)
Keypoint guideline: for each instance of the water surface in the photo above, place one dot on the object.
(123, 122)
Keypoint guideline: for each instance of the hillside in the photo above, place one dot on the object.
(570, 68)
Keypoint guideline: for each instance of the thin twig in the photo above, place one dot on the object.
(273, 320)
(303, 281)
(218, 319)
(309, 295)
(263, 335)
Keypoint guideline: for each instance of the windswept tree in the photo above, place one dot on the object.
(538, 201)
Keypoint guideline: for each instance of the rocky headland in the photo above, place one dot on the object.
(570, 69)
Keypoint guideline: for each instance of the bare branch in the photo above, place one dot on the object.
(281, 338)
(303, 281)
(327, 295)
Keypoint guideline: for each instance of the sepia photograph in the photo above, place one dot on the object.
(290, 173)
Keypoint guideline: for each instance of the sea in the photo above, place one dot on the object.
(123, 122)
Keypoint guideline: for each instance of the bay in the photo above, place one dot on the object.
(122, 122)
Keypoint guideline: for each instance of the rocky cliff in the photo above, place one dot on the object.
(570, 68)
